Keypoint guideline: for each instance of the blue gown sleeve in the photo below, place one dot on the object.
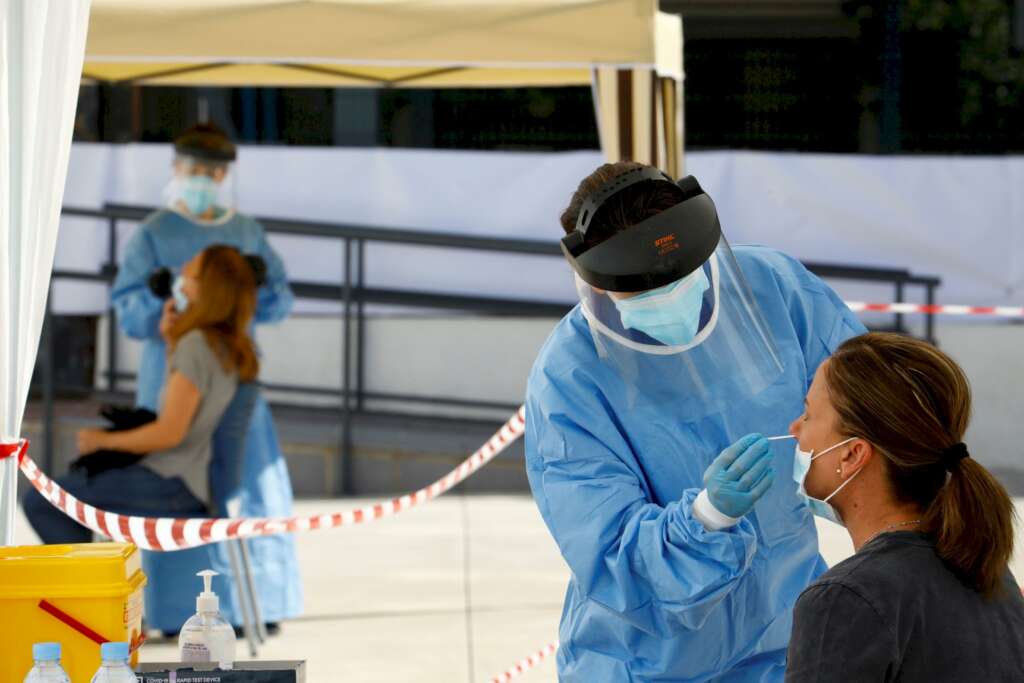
(275, 296)
(821, 320)
(138, 309)
(655, 566)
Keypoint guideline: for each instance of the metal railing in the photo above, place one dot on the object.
(354, 296)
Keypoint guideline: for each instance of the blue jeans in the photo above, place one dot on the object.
(132, 490)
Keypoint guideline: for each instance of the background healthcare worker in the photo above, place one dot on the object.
(686, 542)
(200, 200)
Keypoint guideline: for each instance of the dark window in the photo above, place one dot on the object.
(773, 94)
(875, 76)
(946, 70)
(546, 119)
(524, 119)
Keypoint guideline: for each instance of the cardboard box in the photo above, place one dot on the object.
(244, 672)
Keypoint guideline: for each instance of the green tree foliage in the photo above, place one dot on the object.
(991, 72)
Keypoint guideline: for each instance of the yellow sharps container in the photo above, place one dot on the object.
(75, 595)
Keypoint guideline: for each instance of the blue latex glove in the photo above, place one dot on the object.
(740, 475)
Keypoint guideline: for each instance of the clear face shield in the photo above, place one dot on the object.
(669, 309)
(202, 190)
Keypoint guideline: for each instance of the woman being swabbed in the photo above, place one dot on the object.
(928, 595)
(160, 469)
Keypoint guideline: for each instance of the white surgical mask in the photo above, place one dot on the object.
(802, 465)
(199, 193)
(181, 301)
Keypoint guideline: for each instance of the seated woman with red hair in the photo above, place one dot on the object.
(160, 469)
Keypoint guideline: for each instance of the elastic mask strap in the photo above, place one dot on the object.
(832, 495)
(832, 448)
(841, 486)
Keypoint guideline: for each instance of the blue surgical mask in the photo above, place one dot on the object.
(670, 314)
(199, 193)
(181, 301)
(801, 466)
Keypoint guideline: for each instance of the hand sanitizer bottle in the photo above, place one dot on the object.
(114, 668)
(207, 636)
(47, 667)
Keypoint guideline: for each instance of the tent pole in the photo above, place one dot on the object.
(595, 94)
(8, 499)
(49, 382)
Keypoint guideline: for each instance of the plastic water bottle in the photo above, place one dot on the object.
(115, 667)
(47, 668)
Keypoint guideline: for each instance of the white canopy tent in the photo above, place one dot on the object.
(630, 52)
(41, 48)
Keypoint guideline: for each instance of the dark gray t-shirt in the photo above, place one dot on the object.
(895, 612)
(190, 459)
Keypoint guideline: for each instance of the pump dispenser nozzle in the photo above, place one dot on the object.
(207, 601)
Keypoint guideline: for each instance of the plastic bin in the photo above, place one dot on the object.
(72, 594)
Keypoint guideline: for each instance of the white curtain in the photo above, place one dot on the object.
(42, 43)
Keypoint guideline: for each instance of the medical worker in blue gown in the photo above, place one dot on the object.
(200, 200)
(644, 420)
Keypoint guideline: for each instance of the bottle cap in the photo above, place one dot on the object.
(114, 651)
(47, 651)
(207, 600)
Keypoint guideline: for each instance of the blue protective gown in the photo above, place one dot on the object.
(653, 596)
(167, 239)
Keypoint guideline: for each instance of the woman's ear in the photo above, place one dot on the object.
(859, 456)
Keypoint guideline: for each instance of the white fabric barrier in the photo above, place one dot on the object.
(956, 217)
(508, 194)
(961, 218)
(42, 43)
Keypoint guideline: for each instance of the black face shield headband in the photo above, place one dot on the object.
(206, 147)
(662, 249)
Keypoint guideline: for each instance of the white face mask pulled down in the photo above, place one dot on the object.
(802, 465)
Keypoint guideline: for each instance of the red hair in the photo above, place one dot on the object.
(224, 310)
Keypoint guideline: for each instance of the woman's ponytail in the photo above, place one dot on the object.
(971, 519)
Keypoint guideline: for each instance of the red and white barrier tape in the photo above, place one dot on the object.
(166, 534)
(19, 448)
(937, 309)
(526, 664)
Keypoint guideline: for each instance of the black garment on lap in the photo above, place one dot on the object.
(121, 418)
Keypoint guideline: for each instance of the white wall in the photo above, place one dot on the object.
(993, 357)
(959, 218)
(508, 194)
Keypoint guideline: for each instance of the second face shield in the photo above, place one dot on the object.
(202, 190)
